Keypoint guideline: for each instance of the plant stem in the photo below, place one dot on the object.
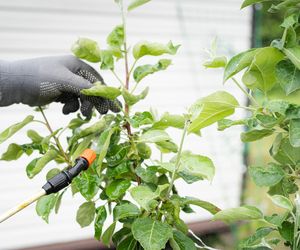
(57, 142)
(177, 164)
(127, 78)
(245, 92)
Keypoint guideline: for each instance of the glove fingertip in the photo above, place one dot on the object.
(115, 105)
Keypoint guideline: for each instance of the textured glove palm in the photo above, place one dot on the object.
(37, 82)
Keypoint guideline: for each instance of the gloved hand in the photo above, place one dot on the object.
(37, 82)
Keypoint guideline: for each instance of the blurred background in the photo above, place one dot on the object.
(33, 28)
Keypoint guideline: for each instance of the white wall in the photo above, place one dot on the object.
(38, 27)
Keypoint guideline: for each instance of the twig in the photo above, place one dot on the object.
(177, 164)
(204, 245)
(245, 92)
(55, 138)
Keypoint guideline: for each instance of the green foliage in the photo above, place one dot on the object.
(272, 73)
(153, 235)
(124, 143)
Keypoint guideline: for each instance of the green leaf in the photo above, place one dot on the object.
(238, 63)
(34, 136)
(287, 231)
(136, 3)
(13, 152)
(51, 173)
(87, 49)
(77, 122)
(261, 73)
(116, 37)
(87, 184)
(167, 147)
(83, 145)
(266, 121)
(125, 210)
(240, 213)
(128, 243)
(10, 131)
(227, 123)
(108, 234)
(151, 234)
(283, 152)
(45, 205)
(141, 72)
(131, 99)
(256, 134)
(277, 106)
(99, 221)
(107, 59)
(250, 2)
(216, 62)
(200, 203)
(266, 176)
(153, 136)
(144, 48)
(294, 55)
(148, 175)
(144, 151)
(182, 241)
(140, 119)
(58, 200)
(256, 238)
(86, 213)
(121, 235)
(33, 169)
(211, 109)
(119, 171)
(294, 133)
(102, 90)
(117, 188)
(192, 167)
(145, 196)
(168, 120)
(103, 144)
(282, 201)
(288, 76)
(116, 154)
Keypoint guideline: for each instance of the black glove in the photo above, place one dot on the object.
(40, 81)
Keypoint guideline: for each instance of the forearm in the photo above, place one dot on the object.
(14, 80)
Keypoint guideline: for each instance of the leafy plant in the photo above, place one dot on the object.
(125, 181)
(271, 74)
